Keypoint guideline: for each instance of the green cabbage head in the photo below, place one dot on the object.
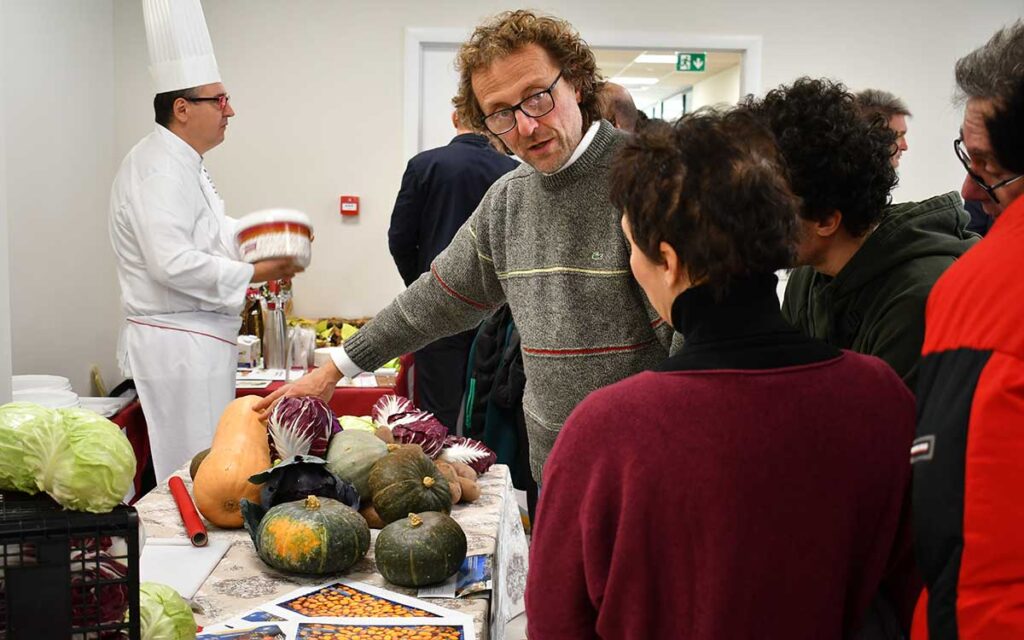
(165, 615)
(22, 423)
(94, 469)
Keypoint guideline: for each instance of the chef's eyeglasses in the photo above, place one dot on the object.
(221, 100)
(965, 159)
(539, 104)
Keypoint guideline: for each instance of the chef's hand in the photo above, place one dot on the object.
(319, 382)
(274, 269)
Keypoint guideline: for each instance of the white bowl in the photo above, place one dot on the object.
(38, 382)
(275, 233)
(49, 398)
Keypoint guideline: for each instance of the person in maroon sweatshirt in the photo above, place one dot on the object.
(753, 485)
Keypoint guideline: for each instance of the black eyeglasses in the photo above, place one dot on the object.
(535, 106)
(965, 159)
(222, 100)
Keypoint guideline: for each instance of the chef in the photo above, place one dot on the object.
(182, 282)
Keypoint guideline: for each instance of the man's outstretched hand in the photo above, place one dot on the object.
(320, 382)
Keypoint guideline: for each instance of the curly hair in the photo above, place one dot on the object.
(837, 160)
(714, 187)
(510, 31)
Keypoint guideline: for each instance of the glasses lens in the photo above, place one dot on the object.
(539, 105)
(500, 122)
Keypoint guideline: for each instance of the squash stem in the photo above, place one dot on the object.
(312, 503)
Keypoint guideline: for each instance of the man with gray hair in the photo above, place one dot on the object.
(875, 103)
(967, 458)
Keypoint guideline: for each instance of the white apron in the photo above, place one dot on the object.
(183, 365)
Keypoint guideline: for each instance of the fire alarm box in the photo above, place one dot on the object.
(350, 205)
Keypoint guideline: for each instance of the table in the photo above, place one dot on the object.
(357, 401)
(242, 581)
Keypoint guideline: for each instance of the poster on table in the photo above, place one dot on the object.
(344, 609)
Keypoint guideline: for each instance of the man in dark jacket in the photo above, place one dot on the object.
(866, 267)
(440, 189)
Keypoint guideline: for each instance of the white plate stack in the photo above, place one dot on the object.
(49, 391)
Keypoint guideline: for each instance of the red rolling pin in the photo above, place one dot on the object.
(189, 516)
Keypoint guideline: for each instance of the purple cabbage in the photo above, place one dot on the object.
(301, 425)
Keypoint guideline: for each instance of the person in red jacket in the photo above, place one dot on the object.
(968, 458)
(753, 485)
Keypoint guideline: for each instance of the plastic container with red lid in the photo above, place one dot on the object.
(275, 233)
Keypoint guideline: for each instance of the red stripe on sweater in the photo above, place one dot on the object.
(585, 352)
(456, 294)
(657, 323)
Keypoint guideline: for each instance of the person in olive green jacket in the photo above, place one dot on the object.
(865, 266)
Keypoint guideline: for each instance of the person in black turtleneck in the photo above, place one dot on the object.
(752, 485)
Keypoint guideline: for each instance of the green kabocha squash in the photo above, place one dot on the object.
(312, 536)
(421, 549)
(406, 481)
(352, 454)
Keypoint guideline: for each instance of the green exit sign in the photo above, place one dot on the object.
(695, 62)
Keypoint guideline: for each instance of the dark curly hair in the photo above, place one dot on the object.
(510, 31)
(836, 159)
(714, 187)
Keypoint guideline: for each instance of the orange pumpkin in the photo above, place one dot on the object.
(239, 450)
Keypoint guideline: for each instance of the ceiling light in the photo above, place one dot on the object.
(656, 58)
(637, 80)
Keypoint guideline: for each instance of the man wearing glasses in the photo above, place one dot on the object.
(969, 455)
(182, 283)
(545, 238)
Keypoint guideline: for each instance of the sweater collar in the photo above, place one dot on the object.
(603, 137)
(743, 331)
(750, 305)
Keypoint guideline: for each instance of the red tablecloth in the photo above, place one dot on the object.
(346, 401)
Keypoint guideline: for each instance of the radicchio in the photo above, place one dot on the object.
(301, 425)
(410, 425)
(469, 451)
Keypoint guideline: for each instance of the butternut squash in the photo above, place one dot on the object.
(239, 449)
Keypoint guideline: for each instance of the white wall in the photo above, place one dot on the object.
(5, 286)
(317, 85)
(721, 88)
(58, 83)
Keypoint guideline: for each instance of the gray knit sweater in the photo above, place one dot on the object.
(551, 246)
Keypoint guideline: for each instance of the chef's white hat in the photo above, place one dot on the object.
(180, 51)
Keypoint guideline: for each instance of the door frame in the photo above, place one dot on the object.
(418, 39)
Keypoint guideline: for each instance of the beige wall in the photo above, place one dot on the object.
(721, 88)
(58, 84)
(318, 90)
(5, 285)
(318, 87)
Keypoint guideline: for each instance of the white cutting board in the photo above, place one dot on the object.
(176, 563)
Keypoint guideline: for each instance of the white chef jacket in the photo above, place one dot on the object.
(182, 291)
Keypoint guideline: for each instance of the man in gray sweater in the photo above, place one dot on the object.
(545, 238)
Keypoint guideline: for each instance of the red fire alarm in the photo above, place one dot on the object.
(350, 205)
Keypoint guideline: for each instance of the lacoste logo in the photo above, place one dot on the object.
(597, 255)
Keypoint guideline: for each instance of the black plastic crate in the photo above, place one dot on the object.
(67, 574)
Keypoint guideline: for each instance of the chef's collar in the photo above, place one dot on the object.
(179, 147)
